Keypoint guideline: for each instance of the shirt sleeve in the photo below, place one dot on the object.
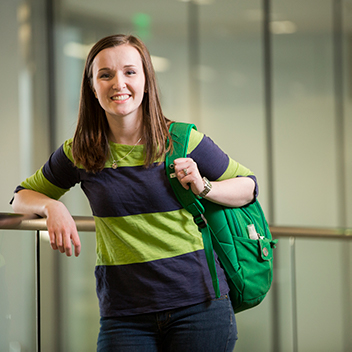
(56, 176)
(214, 163)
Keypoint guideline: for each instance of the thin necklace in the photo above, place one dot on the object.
(115, 162)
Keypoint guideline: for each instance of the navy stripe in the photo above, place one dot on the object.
(18, 188)
(211, 160)
(256, 189)
(60, 170)
(123, 191)
(179, 281)
(114, 193)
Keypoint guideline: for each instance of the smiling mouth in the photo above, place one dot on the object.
(120, 97)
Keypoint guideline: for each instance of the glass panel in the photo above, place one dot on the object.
(80, 316)
(317, 293)
(306, 175)
(347, 100)
(23, 138)
(17, 296)
(304, 121)
(231, 83)
(347, 76)
(230, 80)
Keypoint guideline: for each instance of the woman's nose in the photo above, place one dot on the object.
(118, 82)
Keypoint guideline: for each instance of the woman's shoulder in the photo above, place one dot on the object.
(194, 139)
(67, 148)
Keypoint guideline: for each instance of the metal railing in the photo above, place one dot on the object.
(13, 221)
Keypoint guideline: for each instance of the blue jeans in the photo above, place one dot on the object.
(204, 327)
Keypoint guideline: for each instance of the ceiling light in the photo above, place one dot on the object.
(160, 64)
(199, 2)
(283, 27)
(77, 50)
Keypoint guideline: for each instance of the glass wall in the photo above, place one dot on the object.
(279, 102)
(23, 148)
(309, 151)
(303, 116)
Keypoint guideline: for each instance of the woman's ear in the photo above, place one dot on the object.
(92, 88)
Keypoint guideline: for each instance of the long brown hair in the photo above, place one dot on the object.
(90, 147)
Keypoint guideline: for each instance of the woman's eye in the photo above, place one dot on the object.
(104, 75)
(130, 72)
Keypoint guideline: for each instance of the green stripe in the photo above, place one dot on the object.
(68, 149)
(120, 151)
(37, 182)
(146, 237)
(194, 139)
(235, 169)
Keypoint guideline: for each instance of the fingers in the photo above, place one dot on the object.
(53, 241)
(62, 229)
(63, 241)
(77, 244)
(184, 169)
(185, 166)
(187, 172)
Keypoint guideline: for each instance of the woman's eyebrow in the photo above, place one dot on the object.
(108, 68)
(103, 69)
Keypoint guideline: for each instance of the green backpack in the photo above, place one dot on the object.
(248, 263)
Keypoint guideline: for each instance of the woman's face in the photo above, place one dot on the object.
(119, 82)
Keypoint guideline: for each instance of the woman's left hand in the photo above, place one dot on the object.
(187, 173)
(233, 192)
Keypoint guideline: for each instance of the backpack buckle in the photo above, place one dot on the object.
(200, 221)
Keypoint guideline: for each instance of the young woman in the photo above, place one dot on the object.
(152, 279)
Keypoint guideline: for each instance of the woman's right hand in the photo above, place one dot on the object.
(62, 229)
(60, 224)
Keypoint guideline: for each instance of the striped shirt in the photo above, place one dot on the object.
(150, 254)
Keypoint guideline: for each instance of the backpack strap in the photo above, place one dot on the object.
(180, 133)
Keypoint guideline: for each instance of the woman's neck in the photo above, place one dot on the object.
(125, 131)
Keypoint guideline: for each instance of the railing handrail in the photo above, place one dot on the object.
(311, 232)
(14, 221)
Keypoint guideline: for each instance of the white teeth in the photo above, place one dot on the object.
(120, 97)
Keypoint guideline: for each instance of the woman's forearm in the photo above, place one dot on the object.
(60, 224)
(31, 202)
(234, 192)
